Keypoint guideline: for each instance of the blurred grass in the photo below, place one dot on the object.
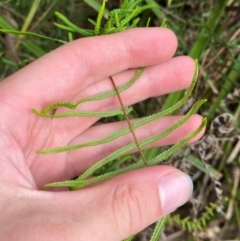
(207, 30)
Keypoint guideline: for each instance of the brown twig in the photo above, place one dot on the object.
(128, 121)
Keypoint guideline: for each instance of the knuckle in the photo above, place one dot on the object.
(128, 207)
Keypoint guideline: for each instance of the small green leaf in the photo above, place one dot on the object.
(8, 62)
(99, 18)
(72, 27)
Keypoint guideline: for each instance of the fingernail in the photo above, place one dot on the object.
(175, 189)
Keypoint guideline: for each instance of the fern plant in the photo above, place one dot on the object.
(125, 17)
(196, 224)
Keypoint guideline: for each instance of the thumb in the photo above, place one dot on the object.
(120, 207)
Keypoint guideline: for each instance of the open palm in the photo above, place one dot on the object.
(73, 71)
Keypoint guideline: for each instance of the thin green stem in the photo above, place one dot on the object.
(27, 21)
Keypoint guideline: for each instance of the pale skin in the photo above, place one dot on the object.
(110, 210)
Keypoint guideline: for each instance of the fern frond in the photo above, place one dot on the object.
(103, 114)
(99, 96)
(80, 182)
(158, 229)
(135, 125)
(143, 143)
(195, 224)
(99, 18)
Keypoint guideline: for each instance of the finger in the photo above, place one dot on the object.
(173, 75)
(79, 160)
(61, 74)
(125, 204)
(67, 165)
(109, 211)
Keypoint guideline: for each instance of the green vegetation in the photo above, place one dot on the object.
(208, 31)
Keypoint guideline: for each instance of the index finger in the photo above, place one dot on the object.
(64, 72)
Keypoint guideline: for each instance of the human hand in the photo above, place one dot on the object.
(110, 210)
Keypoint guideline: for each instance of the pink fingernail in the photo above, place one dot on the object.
(175, 189)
